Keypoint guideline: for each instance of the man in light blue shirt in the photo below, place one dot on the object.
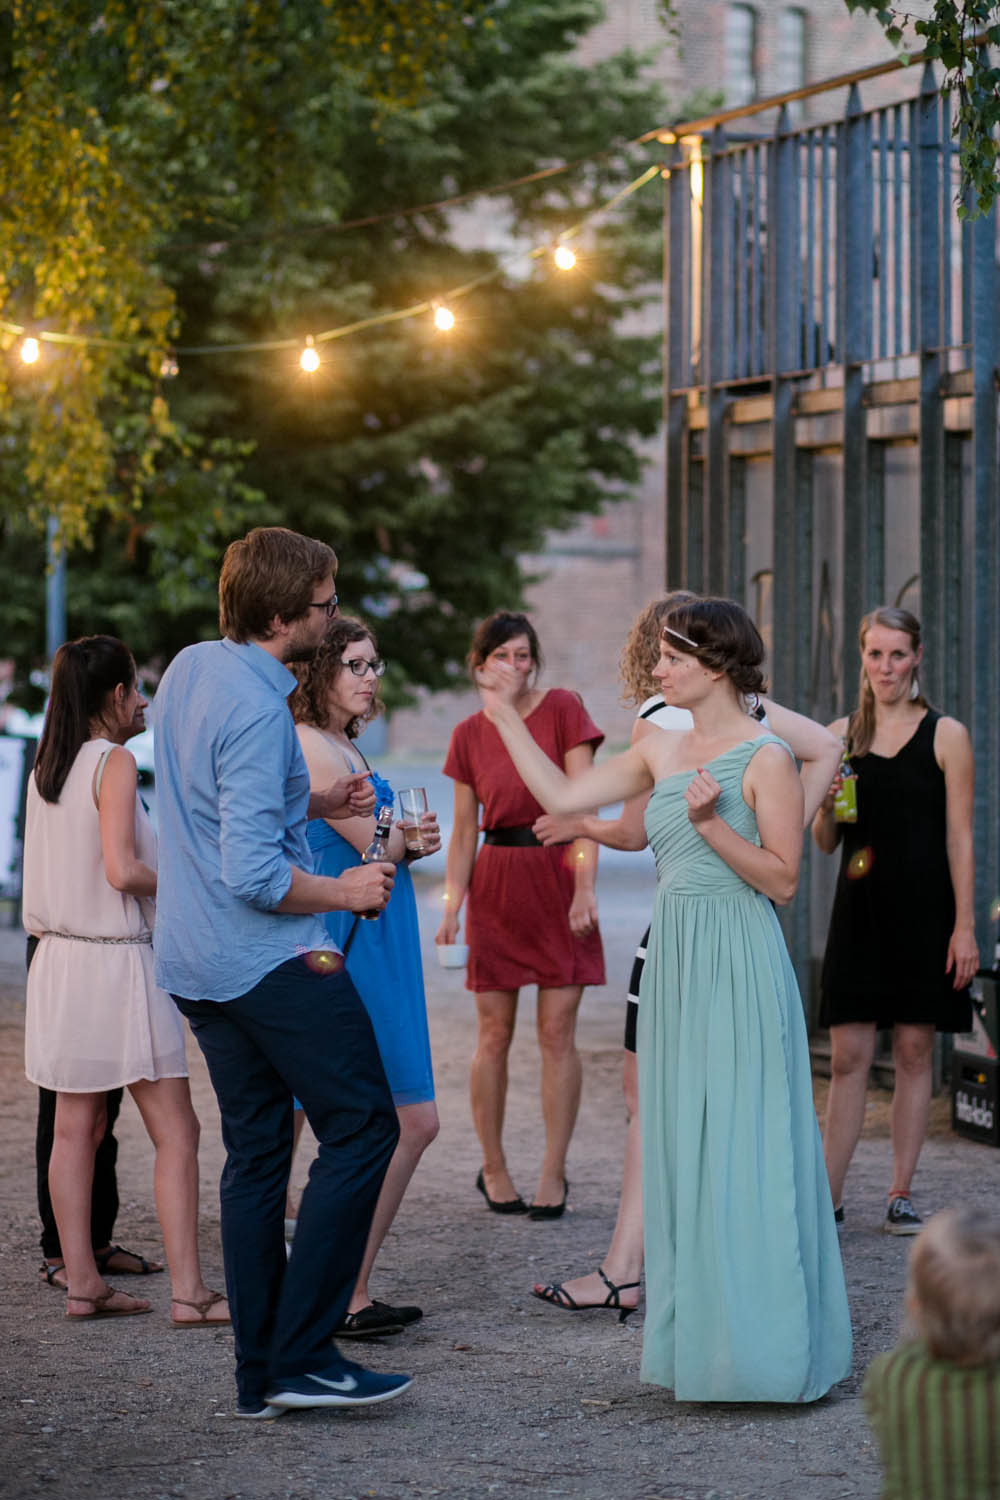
(239, 946)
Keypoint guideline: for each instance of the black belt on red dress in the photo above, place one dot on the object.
(512, 838)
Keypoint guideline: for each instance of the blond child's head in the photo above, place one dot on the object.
(953, 1288)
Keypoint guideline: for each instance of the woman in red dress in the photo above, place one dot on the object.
(531, 913)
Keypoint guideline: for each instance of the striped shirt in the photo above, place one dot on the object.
(937, 1424)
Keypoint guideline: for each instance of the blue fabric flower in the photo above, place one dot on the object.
(384, 794)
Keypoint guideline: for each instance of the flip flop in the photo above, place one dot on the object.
(146, 1267)
(202, 1308)
(100, 1309)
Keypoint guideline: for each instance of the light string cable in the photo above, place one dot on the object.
(437, 304)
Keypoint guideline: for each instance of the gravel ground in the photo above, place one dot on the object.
(511, 1398)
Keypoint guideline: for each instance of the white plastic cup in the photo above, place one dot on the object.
(453, 955)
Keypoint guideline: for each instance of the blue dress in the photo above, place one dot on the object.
(384, 962)
(745, 1294)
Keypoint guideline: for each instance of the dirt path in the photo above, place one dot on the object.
(511, 1399)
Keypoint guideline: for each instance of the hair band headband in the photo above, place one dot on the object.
(669, 630)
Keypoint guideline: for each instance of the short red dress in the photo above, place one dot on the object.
(517, 907)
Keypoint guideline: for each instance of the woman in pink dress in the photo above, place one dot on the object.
(96, 1019)
(531, 911)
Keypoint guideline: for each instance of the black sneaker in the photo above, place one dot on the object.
(902, 1218)
(342, 1384)
(838, 1216)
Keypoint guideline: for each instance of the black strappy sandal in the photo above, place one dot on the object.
(145, 1267)
(49, 1270)
(558, 1296)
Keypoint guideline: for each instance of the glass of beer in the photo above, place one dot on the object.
(412, 806)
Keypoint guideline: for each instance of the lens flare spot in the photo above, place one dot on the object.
(324, 961)
(995, 910)
(860, 863)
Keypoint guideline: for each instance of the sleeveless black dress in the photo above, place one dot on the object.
(894, 909)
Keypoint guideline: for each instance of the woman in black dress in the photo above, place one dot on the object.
(902, 948)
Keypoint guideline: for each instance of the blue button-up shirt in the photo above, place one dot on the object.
(232, 793)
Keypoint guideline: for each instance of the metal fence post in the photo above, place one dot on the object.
(985, 574)
(925, 154)
(716, 285)
(854, 303)
(676, 359)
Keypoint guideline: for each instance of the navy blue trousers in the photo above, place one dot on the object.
(305, 1033)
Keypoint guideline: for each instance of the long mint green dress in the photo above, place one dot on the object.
(745, 1295)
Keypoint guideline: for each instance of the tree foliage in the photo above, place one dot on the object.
(958, 33)
(247, 138)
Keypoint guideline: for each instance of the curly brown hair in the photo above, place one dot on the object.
(722, 636)
(641, 650)
(309, 700)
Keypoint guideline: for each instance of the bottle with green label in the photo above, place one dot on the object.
(845, 803)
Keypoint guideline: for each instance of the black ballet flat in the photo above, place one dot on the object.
(550, 1210)
(512, 1206)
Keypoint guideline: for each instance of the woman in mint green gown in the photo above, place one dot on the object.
(745, 1294)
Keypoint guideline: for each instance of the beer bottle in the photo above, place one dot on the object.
(378, 849)
(845, 804)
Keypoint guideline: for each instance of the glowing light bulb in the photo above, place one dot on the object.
(564, 257)
(30, 350)
(169, 367)
(444, 318)
(309, 359)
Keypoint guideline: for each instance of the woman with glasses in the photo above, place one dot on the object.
(335, 699)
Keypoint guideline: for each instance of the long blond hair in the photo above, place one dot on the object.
(641, 650)
(861, 723)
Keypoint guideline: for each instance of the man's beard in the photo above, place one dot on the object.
(299, 651)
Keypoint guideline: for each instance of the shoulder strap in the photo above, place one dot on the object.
(651, 709)
(99, 774)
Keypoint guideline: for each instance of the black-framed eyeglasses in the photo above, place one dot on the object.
(330, 605)
(360, 666)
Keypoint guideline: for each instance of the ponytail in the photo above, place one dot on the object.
(84, 675)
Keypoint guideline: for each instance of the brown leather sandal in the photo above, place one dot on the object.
(202, 1308)
(99, 1306)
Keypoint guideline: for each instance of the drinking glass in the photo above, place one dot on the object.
(412, 805)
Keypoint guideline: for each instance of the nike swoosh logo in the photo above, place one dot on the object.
(345, 1383)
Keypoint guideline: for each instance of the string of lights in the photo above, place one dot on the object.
(439, 307)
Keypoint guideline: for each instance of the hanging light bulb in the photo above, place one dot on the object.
(564, 257)
(309, 359)
(444, 318)
(30, 350)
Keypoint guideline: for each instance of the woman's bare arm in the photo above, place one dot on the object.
(627, 831)
(953, 750)
(116, 811)
(461, 858)
(614, 780)
(817, 748)
(826, 831)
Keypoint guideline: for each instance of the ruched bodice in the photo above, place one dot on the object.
(745, 1296)
(685, 864)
